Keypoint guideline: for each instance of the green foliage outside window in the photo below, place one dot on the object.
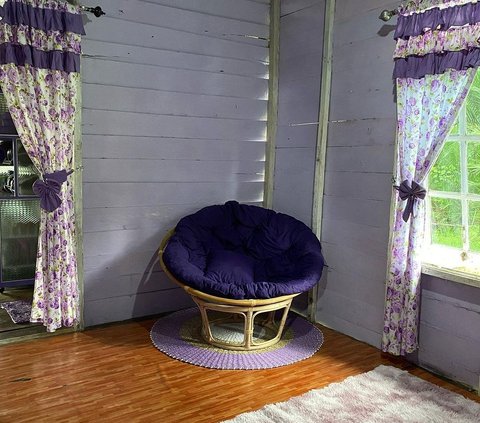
(445, 174)
(473, 108)
(474, 225)
(473, 167)
(446, 222)
(446, 178)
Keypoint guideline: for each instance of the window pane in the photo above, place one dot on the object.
(27, 173)
(7, 177)
(455, 128)
(474, 225)
(473, 107)
(19, 220)
(473, 167)
(447, 222)
(445, 174)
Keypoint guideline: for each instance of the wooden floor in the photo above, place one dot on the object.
(114, 374)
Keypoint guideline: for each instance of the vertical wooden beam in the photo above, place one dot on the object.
(78, 198)
(272, 113)
(322, 136)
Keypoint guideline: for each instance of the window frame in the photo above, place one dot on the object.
(437, 267)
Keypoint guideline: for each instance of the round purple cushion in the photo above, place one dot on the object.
(244, 252)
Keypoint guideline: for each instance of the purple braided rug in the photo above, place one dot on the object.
(179, 336)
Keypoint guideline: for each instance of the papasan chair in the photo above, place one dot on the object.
(242, 262)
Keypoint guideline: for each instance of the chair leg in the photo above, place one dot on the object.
(248, 341)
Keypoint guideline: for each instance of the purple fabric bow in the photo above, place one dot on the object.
(49, 188)
(411, 194)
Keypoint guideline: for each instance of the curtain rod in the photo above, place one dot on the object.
(386, 14)
(97, 11)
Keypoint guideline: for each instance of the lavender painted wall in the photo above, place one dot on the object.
(357, 205)
(300, 69)
(174, 119)
(301, 45)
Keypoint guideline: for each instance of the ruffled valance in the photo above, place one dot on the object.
(421, 6)
(44, 34)
(437, 19)
(37, 14)
(64, 5)
(436, 35)
(433, 64)
(41, 40)
(27, 55)
(454, 39)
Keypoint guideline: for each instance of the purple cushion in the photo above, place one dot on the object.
(240, 251)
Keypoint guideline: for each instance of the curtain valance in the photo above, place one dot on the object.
(44, 34)
(43, 15)
(435, 35)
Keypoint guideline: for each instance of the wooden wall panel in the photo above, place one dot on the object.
(116, 309)
(243, 10)
(168, 79)
(294, 182)
(301, 43)
(127, 194)
(173, 58)
(358, 172)
(174, 119)
(104, 146)
(357, 205)
(138, 100)
(226, 21)
(449, 336)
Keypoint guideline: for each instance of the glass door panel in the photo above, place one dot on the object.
(19, 220)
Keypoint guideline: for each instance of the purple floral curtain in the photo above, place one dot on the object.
(435, 59)
(39, 76)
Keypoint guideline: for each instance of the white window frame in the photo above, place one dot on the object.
(448, 262)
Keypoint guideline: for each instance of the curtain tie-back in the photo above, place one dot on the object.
(411, 194)
(49, 188)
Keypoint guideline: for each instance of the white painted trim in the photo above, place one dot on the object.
(322, 136)
(272, 113)
(451, 275)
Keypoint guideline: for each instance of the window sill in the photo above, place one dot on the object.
(451, 274)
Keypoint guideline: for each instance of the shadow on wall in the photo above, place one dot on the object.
(129, 283)
(168, 297)
(385, 30)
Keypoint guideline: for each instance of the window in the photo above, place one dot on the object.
(453, 200)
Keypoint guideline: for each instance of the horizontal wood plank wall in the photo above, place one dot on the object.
(359, 165)
(174, 119)
(301, 45)
(449, 330)
(300, 72)
(357, 205)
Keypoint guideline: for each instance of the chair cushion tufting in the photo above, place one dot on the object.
(240, 251)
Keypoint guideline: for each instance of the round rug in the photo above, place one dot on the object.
(179, 336)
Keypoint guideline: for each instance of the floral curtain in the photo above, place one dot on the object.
(437, 51)
(426, 110)
(39, 76)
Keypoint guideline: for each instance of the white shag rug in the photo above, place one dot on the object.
(383, 395)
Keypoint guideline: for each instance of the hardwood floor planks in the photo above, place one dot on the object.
(114, 374)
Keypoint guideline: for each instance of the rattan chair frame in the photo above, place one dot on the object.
(249, 309)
